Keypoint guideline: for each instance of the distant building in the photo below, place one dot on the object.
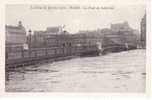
(119, 38)
(120, 27)
(15, 36)
(50, 37)
(38, 39)
(54, 30)
(143, 31)
(105, 31)
(120, 34)
(87, 37)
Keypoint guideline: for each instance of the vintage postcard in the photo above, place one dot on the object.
(98, 48)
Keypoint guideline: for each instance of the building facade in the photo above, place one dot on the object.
(124, 33)
(87, 37)
(15, 36)
(120, 27)
(46, 38)
(143, 31)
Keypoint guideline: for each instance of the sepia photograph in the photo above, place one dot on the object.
(75, 48)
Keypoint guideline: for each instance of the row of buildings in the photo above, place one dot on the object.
(18, 38)
(119, 33)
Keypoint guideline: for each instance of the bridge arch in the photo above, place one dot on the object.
(110, 49)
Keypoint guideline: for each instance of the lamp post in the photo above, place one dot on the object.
(29, 41)
(30, 36)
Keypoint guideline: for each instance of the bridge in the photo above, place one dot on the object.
(116, 48)
(102, 50)
(114, 45)
(24, 58)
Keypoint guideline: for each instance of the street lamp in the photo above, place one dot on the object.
(29, 41)
(30, 36)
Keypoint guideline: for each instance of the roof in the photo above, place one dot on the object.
(53, 29)
(15, 29)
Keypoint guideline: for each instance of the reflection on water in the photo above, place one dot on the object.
(119, 72)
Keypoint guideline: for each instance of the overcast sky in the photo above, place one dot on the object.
(74, 19)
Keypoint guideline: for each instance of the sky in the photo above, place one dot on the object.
(34, 18)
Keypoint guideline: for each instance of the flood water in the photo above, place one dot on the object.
(115, 72)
